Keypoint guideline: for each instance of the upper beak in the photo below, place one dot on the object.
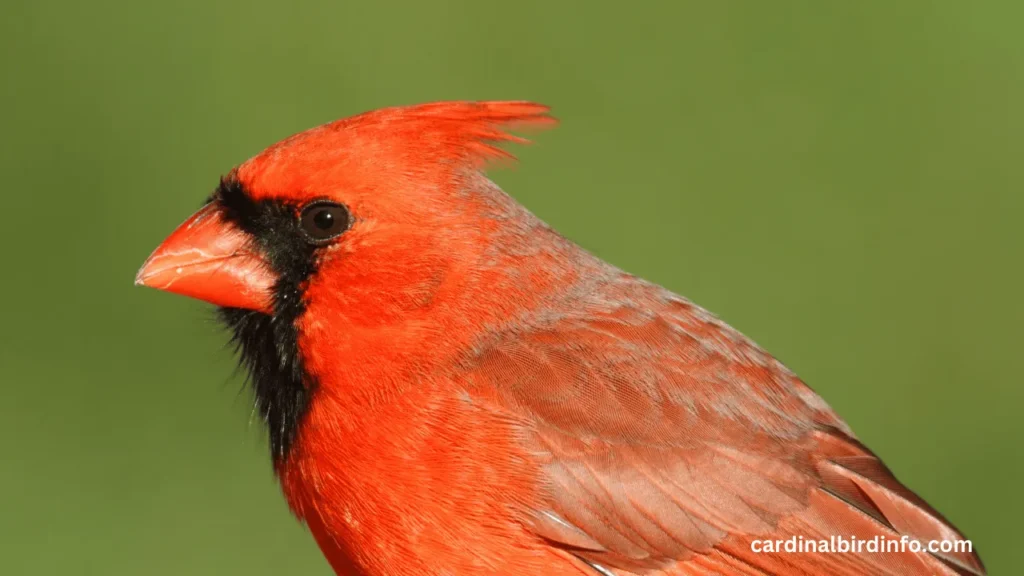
(209, 258)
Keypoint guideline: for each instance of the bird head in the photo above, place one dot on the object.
(352, 224)
(369, 187)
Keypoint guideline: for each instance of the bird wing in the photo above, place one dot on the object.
(669, 443)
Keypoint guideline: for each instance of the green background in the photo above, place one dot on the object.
(840, 180)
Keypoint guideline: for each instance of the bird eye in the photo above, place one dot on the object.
(322, 221)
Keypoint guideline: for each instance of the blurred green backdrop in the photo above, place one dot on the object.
(840, 180)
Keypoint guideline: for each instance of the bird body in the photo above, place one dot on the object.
(453, 388)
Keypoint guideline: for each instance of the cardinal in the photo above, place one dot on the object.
(452, 388)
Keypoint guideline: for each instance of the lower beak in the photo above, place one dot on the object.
(210, 259)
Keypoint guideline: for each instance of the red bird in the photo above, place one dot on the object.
(453, 388)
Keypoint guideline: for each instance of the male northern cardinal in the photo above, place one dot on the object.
(453, 388)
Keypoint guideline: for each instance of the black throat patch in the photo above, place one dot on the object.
(267, 345)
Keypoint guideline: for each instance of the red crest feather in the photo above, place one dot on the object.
(473, 127)
(383, 144)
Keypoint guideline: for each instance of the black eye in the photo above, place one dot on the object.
(322, 221)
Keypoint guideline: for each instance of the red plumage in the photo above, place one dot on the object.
(478, 395)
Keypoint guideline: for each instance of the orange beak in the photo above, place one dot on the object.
(210, 259)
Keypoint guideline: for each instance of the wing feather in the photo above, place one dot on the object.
(669, 442)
